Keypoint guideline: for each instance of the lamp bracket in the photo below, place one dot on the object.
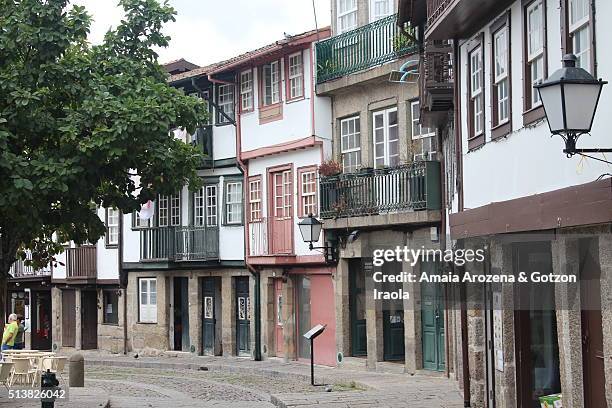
(330, 253)
(571, 138)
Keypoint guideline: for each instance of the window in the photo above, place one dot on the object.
(199, 208)
(296, 76)
(255, 199)
(111, 307)
(211, 205)
(350, 141)
(169, 211)
(112, 226)
(225, 102)
(424, 145)
(138, 222)
(147, 300)
(246, 91)
(205, 206)
(380, 9)
(271, 83)
(347, 15)
(308, 191)
(282, 194)
(476, 94)
(386, 138)
(233, 203)
(501, 79)
(535, 64)
(580, 32)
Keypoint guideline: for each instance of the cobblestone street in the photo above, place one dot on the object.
(187, 381)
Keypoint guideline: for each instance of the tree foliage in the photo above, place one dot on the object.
(77, 122)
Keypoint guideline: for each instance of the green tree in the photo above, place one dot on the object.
(78, 122)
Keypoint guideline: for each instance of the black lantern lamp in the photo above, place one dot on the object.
(570, 97)
(310, 228)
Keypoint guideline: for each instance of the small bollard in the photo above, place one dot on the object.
(76, 370)
(48, 383)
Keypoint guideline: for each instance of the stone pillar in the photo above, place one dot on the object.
(605, 264)
(77, 306)
(341, 294)
(289, 319)
(566, 258)
(56, 317)
(374, 329)
(228, 318)
(195, 313)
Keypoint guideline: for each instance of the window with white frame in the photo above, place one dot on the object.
(424, 143)
(147, 300)
(138, 222)
(476, 92)
(271, 83)
(535, 50)
(386, 138)
(233, 202)
(255, 199)
(296, 76)
(169, 210)
(308, 192)
(350, 143)
(347, 15)
(246, 90)
(501, 54)
(380, 9)
(211, 205)
(225, 102)
(199, 207)
(112, 226)
(283, 194)
(579, 15)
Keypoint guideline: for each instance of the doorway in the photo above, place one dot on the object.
(278, 320)
(535, 322)
(210, 312)
(432, 322)
(180, 313)
(281, 221)
(89, 319)
(68, 318)
(40, 320)
(393, 317)
(592, 335)
(303, 315)
(243, 316)
(357, 308)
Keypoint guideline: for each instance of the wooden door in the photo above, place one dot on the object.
(243, 316)
(592, 335)
(278, 312)
(208, 315)
(357, 308)
(281, 223)
(89, 320)
(393, 318)
(40, 318)
(68, 318)
(432, 326)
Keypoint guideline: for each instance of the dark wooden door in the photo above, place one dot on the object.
(208, 315)
(89, 320)
(357, 307)
(592, 335)
(281, 220)
(432, 322)
(41, 320)
(278, 313)
(68, 318)
(393, 318)
(242, 316)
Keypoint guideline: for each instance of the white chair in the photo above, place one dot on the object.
(22, 368)
(44, 364)
(60, 363)
(5, 373)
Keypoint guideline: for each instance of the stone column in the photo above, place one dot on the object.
(228, 319)
(195, 313)
(605, 264)
(289, 319)
(374, 329)
(565, 257)
(341, 294)
(56, 317)
(77, 306)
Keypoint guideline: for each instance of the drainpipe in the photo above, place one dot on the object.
(443, 246)
(254, 272)
(122, 283)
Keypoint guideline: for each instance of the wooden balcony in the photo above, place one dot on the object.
(179, 244)
(457, 19)
(436, 82)
(407, 189)
(19, 270)
(81, 263)
(362, 48)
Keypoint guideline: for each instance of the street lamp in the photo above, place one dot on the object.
(570, 97)
(310, 228)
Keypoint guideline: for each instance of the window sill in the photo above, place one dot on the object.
(111, 246)
(298, 99)
(222, 124)
(146, 323)
(500, 131)
(476, 142)
(111, 324)
(533, 115)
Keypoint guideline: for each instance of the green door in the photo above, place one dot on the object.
(432, 323)
(393, 318)
(357, 307)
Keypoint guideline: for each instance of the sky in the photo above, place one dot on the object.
(208, 31)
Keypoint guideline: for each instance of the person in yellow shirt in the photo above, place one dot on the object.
(10, 332)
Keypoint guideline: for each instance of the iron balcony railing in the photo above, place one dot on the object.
(435, 8)
(179, 244)
(19, 269)
(362, 48)
(81, 262)
(371, 192)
